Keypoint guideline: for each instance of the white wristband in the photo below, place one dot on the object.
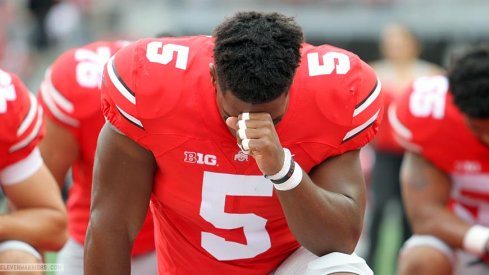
(285, 167)
(475, 240)
(293, 181)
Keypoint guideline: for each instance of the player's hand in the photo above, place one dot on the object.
(264, 144)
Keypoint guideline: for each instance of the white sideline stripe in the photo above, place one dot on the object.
(369, 100)
(130, 117)
(23, 143)
(22, 169)
(30, 116)
(362, 127)
(117, 83)
(398, 127)
(53, 108)
(58, 98)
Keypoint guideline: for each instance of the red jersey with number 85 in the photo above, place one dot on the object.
(70, 94)
(214, 212)
(427, 122)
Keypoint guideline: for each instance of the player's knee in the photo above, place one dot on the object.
(423, 260)
(17, 258)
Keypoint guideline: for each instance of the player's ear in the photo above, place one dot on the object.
(212, 70)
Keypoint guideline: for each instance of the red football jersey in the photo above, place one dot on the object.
(427, 122)
(70, 95)
(21, 128)
(214, 211)
(385, 139)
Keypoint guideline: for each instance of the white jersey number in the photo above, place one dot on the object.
(163, 54)
(428, 97)
(216, 187)
(7, 90)
(333, 62)
(90, 66)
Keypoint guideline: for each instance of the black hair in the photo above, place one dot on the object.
(469, 82)
(256, 55)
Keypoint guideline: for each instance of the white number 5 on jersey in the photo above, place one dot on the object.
(216, 187)
(336, 62)
(163, 54)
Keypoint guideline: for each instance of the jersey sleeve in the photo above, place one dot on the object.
(368, 109)
(144, 82)
(418, 114)
(70, 90)
(118, 93)
(21, 129)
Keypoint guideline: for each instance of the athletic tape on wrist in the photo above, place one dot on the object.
(475, 240)
(292, 181)
(285, 167)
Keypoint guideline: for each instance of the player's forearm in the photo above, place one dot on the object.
(59, 150)
(322, 221)
(426, 192)
(107, 250)
(45, 229)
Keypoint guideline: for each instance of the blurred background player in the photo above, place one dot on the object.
(36, 221)
(399, 66)
(172, 107)
(443, 122)
(70, 95)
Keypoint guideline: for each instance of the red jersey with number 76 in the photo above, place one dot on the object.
(70, 94)
(214, 211)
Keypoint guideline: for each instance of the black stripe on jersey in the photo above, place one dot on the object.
(368, 96)
(368, 126)
(122, 114)
(120, 79)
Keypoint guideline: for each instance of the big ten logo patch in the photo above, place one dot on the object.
(200, 158)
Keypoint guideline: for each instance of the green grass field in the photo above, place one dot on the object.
(386, 257)
(50, 258)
